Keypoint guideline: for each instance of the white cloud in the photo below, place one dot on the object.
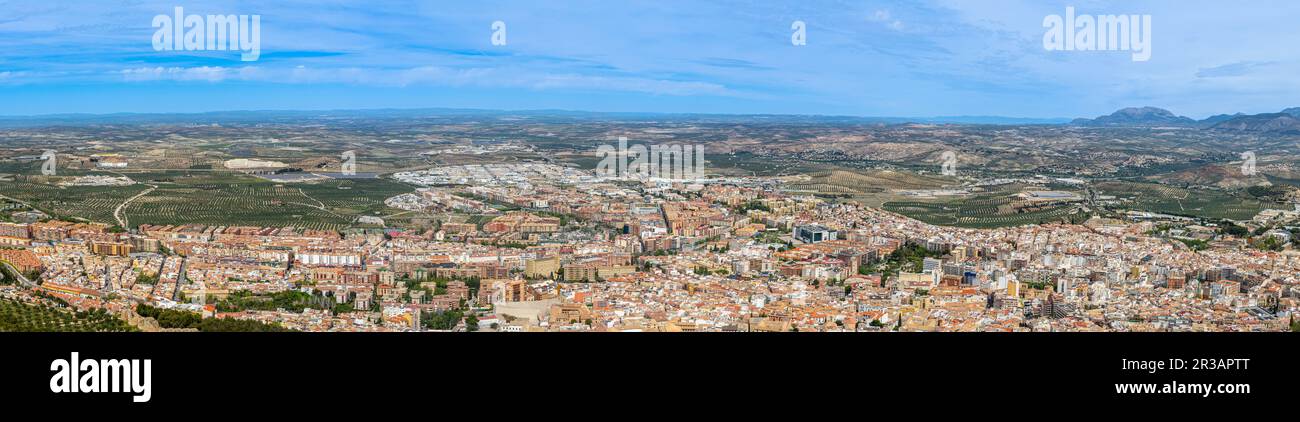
(885, 17)
(203, 73)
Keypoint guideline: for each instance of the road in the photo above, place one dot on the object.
(180, 279)
(21, 278)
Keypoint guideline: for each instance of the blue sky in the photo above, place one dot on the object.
(867, 58)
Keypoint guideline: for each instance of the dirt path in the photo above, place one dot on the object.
(117, 212)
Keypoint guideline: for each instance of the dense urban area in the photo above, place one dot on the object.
(492, 226)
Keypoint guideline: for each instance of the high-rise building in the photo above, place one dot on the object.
(21, 231)
(1056, 308)
(110, 248)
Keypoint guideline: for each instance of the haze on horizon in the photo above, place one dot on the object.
(872, 58)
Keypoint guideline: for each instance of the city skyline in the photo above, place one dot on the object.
(378, 206)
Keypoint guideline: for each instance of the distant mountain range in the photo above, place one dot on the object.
(1218, 118)
(1284, 122)
(1138, 116)
(1280, 123)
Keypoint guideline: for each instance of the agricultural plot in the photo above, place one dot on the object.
(18, 316)
(20, 167)
(213, 198)
(480, 219)
(869, 187)
(88, 203)
(985, 211)
(253, 204)
(355, 196)
(943, 214)
(220, 198)
(876, 180)
(820, 188)
(992, 220)
(749, 164)
(991, 209)
(1189, 202)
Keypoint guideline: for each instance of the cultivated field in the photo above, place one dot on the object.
(998, 208)
(231, 199)
(18, 316)
(1190, 202)
(214, 198)
(85, 203)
